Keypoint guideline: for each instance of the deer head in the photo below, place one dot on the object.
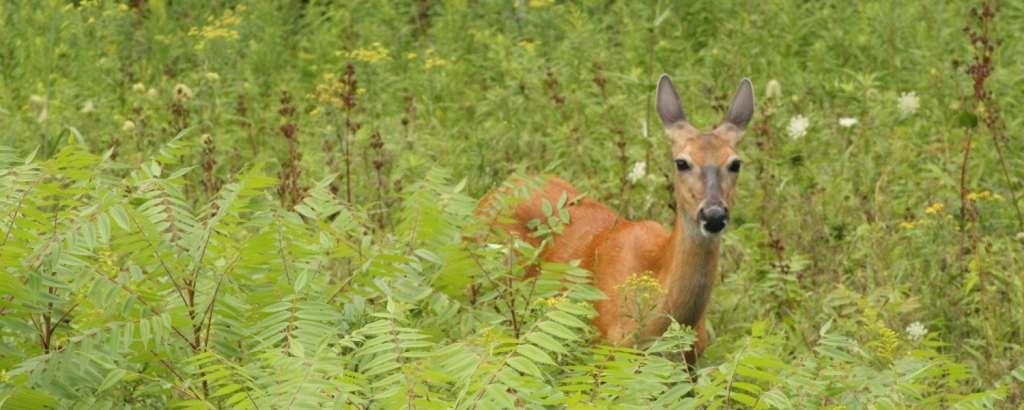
(707, 163)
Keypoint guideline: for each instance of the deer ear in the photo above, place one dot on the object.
(741, 110)
(670, 109)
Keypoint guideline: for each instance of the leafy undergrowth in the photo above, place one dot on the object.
(121, 294)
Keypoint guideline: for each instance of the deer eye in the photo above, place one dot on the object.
(735, 166)
(682, 165)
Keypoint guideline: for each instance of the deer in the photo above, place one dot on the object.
(684, 261)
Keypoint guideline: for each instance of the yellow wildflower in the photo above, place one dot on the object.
(122, 7)
(138, 87)
(332, 93)
(528, 45)
(908, 225)
(410, 56)
(540, 3)
(217, 28)
(434, 62)
(213, 77)
(371, 55)
(128, 126)
(552, 302)
(933, 209)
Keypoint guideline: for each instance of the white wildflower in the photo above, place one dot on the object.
(88, 107)
(847, 122)
(773, 89)
(151, 93)
(139, 88)
(909, 103)
(128, 126)
(213, 77)
(43, 115)
(182, 93)
(639, 170)
(36, 100)
(916, 330)
(798, 126)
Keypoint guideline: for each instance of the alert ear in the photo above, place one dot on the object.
(741, 110)
(669, 108)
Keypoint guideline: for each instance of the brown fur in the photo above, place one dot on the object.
(684, 261)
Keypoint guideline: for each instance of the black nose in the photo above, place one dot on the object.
(714, 218)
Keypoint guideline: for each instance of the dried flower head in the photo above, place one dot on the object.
(773, 89)
(182, 93)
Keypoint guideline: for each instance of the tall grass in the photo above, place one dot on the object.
(381, 122)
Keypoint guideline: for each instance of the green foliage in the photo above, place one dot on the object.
(271, 204)
(123, 294)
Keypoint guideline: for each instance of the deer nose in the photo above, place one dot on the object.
(714, 218)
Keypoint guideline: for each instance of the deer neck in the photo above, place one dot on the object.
(687, 274)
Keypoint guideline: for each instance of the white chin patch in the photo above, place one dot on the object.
(710, 235)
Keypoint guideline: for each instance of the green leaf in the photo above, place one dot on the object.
(824, 329)
(545, 341)
(967, 119)
(525, 366)
(226, 389)
(566, 319)
(112, 378)
(120, 216)
(557, 330)
(296, 348)
(534, 354)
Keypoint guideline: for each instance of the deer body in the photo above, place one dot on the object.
(685, 260)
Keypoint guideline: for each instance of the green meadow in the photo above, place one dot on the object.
(269, 204)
